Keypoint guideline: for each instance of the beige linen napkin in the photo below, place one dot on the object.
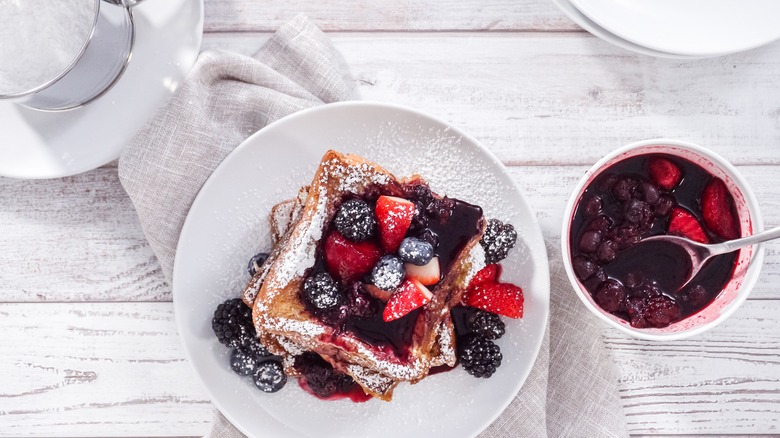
(572, 390)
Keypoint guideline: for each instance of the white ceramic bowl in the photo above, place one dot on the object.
(749, 260)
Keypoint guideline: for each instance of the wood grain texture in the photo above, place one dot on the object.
(74, 239)
(726, 381)
(389, 15)
(96, 370)
(565, 98)
(116, 369)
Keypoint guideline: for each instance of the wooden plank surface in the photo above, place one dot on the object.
(104, 256)
(565, 98)
(389, 15)
(117, 369)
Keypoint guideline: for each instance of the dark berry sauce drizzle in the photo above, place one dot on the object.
(447, 223)
(638, 282)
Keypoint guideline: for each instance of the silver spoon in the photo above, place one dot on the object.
(701, 252)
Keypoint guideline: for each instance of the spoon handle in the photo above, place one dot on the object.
(763, 236)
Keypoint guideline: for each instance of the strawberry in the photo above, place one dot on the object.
(664, 173)
(428, 274)
(394, 216)
(379, 294)
(347, 260)
(501, 298)
(717, 208)
(685, 224)
(488, 274)
(411, 295)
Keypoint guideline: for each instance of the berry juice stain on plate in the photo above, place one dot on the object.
(639, 197)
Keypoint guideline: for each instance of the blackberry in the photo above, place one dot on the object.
(441, 209)
(355, 220)
(419, 220)
(256, 262)
(498, 239)
(421, 193)
(388, 273)
(269, 376)
(479, 356)
(232, 323)
(322, 292)
(243, 363)
(415, 251)
(486, 324)
(320, 376)
(429, 236)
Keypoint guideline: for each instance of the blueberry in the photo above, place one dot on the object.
(256, 262)
(610, 296)
(269, 376)
(253, 347)
(584, 267)
(355, 220)
(388, 272)
(243, 364)
(607, 251)
(593, 206)
(650, 193)
(322, 292)
(590, 241)
(600, 223)
(415, 251)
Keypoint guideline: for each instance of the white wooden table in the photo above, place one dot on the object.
(88, 342)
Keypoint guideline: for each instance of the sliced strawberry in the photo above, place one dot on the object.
(428, 274)
(501, 298)
(411, 295)
(685, 224)
(394, 216)
(717, 208)
(488, 274)
(380, 294)
(347, 260)
(664, 173)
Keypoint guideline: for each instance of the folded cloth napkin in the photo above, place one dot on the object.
(572, 390)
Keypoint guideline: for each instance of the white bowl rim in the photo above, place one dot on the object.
(751, 276)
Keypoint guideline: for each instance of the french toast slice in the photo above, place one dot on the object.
(282, 318)
(281, 219)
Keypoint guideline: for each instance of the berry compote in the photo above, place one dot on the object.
(358, 240)
(639, 197)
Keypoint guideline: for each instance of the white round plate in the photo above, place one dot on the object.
(698, 28)
(228, 223)
(40, 144)
(587, 24)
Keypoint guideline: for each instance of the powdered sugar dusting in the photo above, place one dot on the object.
(370, 380)
(475, 261)
(446, 346)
